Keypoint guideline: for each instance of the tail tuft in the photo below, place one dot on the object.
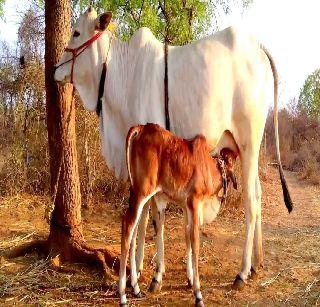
(286, 195)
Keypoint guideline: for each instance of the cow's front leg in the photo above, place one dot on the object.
(250, 173)
(158, 215)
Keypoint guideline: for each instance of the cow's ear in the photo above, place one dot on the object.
(103, 21)
(112, 27)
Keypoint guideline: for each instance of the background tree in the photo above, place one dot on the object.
(309, 99)
(22, 111)
(1, 7)
(176, 21)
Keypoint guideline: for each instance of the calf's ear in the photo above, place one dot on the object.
(103, 21)
(234, 181)
(228, 156)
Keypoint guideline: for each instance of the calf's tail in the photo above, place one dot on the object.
(285, 190)
(132, 134)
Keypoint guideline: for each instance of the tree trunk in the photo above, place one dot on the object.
(65, 237)
(88, 184)
(65, 186)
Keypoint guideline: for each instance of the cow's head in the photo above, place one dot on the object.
(87, 65)
(229, 157)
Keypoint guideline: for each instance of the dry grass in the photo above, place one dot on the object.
(37, 283)
(291, 243)
(299, 142)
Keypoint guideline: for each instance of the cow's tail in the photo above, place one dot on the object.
(133, 132)
(285, 190)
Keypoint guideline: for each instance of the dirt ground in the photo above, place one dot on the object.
(291, 274)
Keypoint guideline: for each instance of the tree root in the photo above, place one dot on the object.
(39, 246)
(104, 258)
(71, 250)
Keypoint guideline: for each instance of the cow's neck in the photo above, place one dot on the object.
(134, 73)
(117, 75)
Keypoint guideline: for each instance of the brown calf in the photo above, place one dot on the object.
(165, 166)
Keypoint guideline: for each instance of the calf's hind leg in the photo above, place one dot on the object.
(129, 224)
(158, 215)
(142, 227)
(134, 275)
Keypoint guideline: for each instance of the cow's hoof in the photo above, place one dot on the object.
(199, 303)
(238, 283)
(155, 286)
(189, 285)
(253, 274)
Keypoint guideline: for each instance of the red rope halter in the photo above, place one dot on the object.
(77, 51)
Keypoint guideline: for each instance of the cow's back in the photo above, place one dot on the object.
(217, 83)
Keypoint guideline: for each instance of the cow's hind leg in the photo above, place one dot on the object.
(257, 261)
(249, 160)
(158, 215)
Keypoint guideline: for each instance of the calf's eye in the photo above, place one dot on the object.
(76, 34)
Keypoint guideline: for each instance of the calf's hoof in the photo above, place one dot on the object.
(139, 274)
(199, 303)
(238, 283)
(139, 295)
(253, 274)
(155, 286)
(123, 305)
(189, 285)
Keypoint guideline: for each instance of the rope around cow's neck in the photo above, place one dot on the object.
(166, 87)
(103, 80)
(222, 168)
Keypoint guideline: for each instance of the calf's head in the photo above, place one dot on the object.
(230, 158)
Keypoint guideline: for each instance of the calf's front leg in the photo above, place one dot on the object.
(193, 219)
(188, 250)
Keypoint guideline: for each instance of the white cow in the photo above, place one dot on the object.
(219, 86)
